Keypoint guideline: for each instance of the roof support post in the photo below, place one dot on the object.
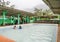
(4, 16)
(18, 19)
(27, 19)
(59, 17)
(11, 20)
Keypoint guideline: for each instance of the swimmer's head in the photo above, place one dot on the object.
(14, 26)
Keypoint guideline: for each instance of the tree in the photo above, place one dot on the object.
(40, 12)
(3, 3)
(12, 6)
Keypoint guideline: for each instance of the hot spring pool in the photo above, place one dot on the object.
(31, 33)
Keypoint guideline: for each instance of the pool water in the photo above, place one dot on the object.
(31, 33)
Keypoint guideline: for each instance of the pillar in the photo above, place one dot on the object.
(4, 15)
(33, 19)
(27, 19)
(18, 19)
(59, 17)
(23, 20)
(11, 19)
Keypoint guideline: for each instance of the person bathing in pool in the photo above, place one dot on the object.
(14, 27)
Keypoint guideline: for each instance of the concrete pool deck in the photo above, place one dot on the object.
(58, 36)
(5, 39)
(31, 33)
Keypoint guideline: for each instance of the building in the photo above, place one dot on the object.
(54, 5)
(12, 11)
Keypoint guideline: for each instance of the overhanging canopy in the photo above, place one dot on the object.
(12, 11)
(54, 5)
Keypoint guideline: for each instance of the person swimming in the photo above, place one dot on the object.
(20, 27)
(14, 27)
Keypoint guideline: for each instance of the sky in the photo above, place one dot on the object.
(26, 4)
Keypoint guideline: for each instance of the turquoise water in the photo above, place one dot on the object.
(31, 33)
